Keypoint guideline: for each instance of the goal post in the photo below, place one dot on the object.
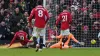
(85, 20)
(44, 37)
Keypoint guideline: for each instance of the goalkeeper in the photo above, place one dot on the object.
(65, 18)
(65, 41)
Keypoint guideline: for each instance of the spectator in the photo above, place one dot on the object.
(73, 28)
(17, 16)
(23, 5)
(62, 2)
(16, 28)
(84, 7)
(1, 14)
(18, 5)
(26, 15)
(7, 20)
(6, 4)
(3, 30)
(96, 28)
(25, 19)
(90, 23)
(47, 7)
(85, 31)
(96, 14)
(79, 29)
(95, 4)
(89, 8)
(11, 8)
(85, 17)
(75, 5)
(0, 6)
(78, 14)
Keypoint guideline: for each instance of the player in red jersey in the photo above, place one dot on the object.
(66, 19)
(22, 37)
(40, 14)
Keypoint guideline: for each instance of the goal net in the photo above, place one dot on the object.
(85, 20)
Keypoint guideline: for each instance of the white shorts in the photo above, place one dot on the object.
(38, 31)
(65, 32)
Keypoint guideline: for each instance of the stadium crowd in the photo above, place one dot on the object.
(86, 16)
(13, 15)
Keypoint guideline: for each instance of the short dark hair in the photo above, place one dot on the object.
(20, 28)
(40, 2)
(64, 7)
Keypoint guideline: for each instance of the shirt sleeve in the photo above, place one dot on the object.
(31, 15)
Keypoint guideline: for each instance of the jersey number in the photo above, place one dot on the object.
(64, 18)
(21, 37)
(40, 13)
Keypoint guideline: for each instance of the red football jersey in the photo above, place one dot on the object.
(65, 18)
(41, 16)
(22, 36)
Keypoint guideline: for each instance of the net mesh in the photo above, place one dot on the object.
(86, 19)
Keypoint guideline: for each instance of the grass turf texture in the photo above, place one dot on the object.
(51, 52)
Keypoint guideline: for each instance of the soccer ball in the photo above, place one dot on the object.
(93, 41)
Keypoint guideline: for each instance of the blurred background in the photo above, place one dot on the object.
(85, 16)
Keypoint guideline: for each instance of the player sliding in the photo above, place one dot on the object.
(66, 19)
(65, 41)
(40, 14)
(22, 37)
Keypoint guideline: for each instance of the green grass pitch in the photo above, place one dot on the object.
(51, 52)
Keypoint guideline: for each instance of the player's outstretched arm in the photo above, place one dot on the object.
(75, 40)
(12, 40)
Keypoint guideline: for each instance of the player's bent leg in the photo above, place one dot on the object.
(60, 36)
(67, 42)
(66, 33)
(57, 45)
(66, 46)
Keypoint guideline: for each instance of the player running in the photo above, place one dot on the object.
(40, 14)
(66, 19)
(21, 36)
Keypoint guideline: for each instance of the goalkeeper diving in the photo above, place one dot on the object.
(65, 18)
